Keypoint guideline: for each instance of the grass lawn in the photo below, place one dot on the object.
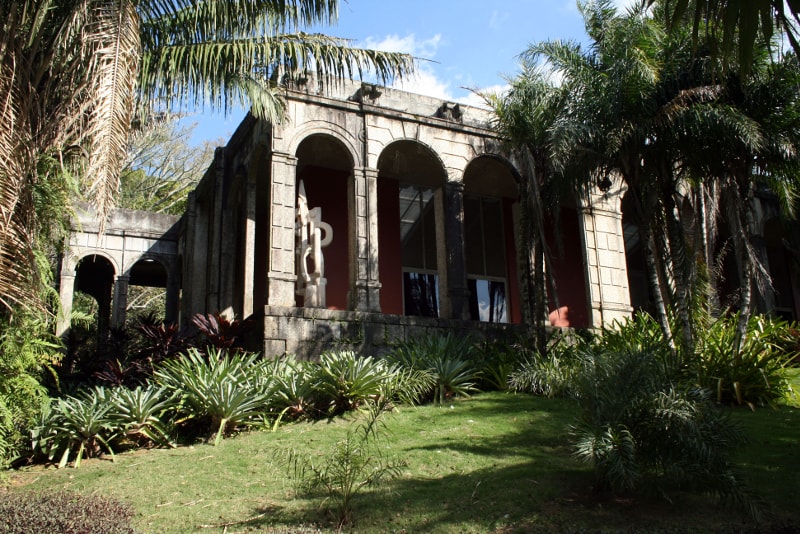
(492, 463)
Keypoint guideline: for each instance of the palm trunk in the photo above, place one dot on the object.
(648, 243)
(682, 273)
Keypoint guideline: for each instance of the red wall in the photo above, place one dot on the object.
(390, 267)
(569, 272)
(327, 189)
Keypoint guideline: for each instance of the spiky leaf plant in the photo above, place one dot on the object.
(142, 413)
(448, 359)
(229, 389)
(77, 425)
(344, 380)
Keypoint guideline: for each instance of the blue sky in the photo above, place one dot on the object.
(470, 43)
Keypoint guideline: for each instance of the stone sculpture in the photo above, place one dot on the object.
(312, 235)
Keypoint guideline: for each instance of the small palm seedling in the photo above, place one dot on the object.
(229, 389)
(351, 466)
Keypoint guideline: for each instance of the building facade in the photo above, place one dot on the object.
(400, 211)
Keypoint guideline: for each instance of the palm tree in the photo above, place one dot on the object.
(733, 26)
(71, 72)
(524, 117)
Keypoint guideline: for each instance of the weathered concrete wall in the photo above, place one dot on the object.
(306, 333)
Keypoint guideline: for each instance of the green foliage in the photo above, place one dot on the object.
(448, 359)
(640, 427)
(293, 388)
(230, 390)
(142, 412)
(351, 465)
(77, 425)
(551, 374)
(752, 372)
(62, 511)
(27, 349)
(344, 380)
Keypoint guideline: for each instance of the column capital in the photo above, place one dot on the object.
(284, 157)
(368, 172)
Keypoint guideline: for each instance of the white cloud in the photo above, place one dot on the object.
(424, 81)
(477, 101)
(408, 44)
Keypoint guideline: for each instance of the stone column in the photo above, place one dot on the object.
(66, 293)
(120, 301)
(451, 258)
(249, 247)
(172, 292)
(604, 243)
(363, 207)
(281, 274)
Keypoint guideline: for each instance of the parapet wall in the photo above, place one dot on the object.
(307, 332)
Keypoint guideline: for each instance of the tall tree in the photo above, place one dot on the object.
(71, 72)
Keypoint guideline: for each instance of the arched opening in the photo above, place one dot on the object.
(490, 193)
(325, 167)
(147, 290)
(410, 180)
(94, 284)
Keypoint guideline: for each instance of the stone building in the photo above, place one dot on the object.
(415, 208)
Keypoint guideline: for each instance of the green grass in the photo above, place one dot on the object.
(491, 463)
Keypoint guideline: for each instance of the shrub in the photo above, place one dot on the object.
(345, 380)
(230, 390)
(638, 423)
(141, 411)
(63, 512)
(77, 425)
(752, 373)
(448, 359)
(551, 374)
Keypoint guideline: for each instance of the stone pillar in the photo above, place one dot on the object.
(451, 258)
(66, 293)
(363, 207)
(604, 243)
(172, 292)
(120, 301)
(281, 274)
(249, 237)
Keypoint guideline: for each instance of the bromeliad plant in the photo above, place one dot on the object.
(77, 425)
(752, 372)
(448, 359)
(227, 390)
(344, 380)
(141, 413)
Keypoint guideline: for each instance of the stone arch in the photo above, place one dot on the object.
(348, 141)
(95, 275)
(325, 167)
(149, 274)
(411, 177)
(491, 195)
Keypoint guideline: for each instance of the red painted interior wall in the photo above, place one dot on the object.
(327, 189)
(390, 267)
(569, 271)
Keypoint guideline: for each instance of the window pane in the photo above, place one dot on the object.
(488, 300)
(473, 240)
(417, 227)
(421, 294)
(494, 250)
